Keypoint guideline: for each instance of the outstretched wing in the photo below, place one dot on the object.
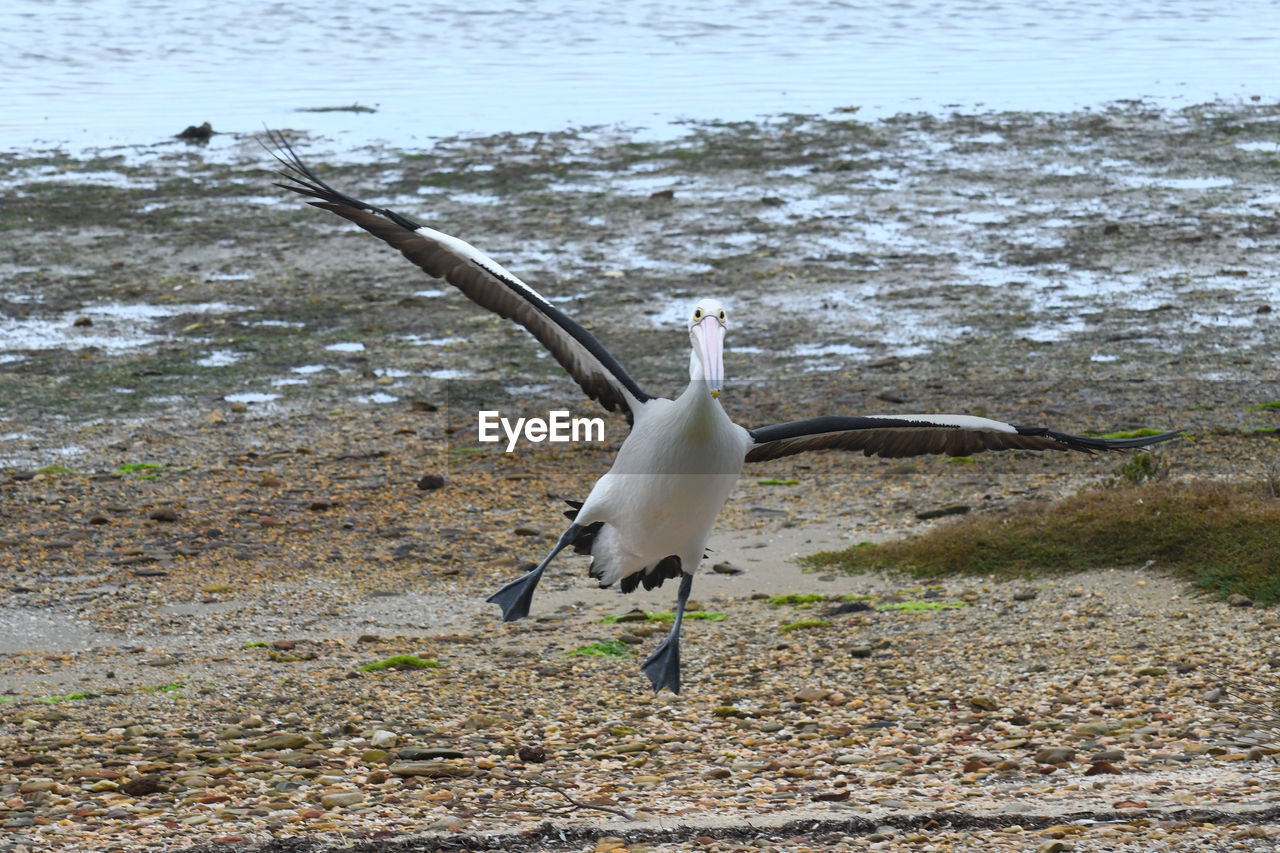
(482, 279)
(915, 435)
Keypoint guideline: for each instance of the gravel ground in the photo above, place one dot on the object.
(194, 579)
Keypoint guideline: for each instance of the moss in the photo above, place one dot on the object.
(692, 615)
(805, 624)
(400, 662)
(1274, 404)
(53, 700)
(134, 467)
(1221, 537)
(777, 482)
(1131, 433)
(922, 606)
(604, 649)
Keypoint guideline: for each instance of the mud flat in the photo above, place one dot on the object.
(218, 404)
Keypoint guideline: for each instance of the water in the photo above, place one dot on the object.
(90, 73)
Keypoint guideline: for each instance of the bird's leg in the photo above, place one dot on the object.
(663, 666)
(514, 598)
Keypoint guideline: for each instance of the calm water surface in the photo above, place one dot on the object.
(88, 73)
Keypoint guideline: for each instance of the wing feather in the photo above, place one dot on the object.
(916, 435)
(482, 280)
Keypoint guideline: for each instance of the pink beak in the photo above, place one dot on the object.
(710, 338)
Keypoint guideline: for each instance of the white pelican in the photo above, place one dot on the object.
(649, 517)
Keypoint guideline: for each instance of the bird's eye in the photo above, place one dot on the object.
(697, 314)
(721, 315)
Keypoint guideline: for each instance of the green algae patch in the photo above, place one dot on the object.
(400, 662)
(805, 625)
(1221, 537)
(922, 606)
(604, 649)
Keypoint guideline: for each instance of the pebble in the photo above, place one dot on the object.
(1055, 755)
(383, 739)
(281, 741)
(431, 769)
(342, 798)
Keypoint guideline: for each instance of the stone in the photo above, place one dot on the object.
(281, 741)
(342, 798)
(141, 786)
(984, 703)
(431, 769)
(726, 569)
(1238, 600)
(1055, 755)
(431, 482)
(421, 753)
(383, 739)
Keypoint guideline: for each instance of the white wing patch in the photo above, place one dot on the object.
(956, 421)
(462, 247)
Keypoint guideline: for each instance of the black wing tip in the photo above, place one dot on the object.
(302, 180)
(1089, 443)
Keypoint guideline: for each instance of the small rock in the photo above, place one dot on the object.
(1055, 845)
(375, 756)
(82, 321)
(633, 616)
(1099, 768)
(419, 753)
(532, 754)
(527, 531)
(281, 741)
(431, 482)
(1108, 755)
(942, 512)
(812, 694)
(141, 786)
(630, 639)
(163, 513)
(420, 405)
(1025, 594)
(1238, 600)
(342, 798)
(984, 703)
(860, 652)
(726, 569)
(383, 739)
(230, 733)
(1055, 755)
(431, 769)
(253, 721)
(32, 786)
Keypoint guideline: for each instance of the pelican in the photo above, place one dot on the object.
(648, 518)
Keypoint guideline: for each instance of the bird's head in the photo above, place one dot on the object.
(707, 326)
